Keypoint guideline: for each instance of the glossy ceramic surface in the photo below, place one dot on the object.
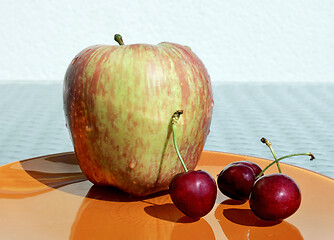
(49, 198)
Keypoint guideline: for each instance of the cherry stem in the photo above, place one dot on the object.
(175, 118)
(273, 153)
(281, 158)
(118, 38)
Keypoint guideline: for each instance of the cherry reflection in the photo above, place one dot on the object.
(184, 227)
(238, 222)
(109, 212)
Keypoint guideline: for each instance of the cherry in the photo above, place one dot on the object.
(193, 192)
(275, 197)
(271, 197)
(236, 179)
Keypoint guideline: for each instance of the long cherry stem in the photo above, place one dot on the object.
(273, 153)
(281, 158)
(175, 118)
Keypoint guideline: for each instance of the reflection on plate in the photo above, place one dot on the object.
(49, 198)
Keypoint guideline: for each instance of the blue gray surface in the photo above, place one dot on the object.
(295, 117)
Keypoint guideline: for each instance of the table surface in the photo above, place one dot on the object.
(295, 117)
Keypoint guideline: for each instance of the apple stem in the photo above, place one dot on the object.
(268, 143)
(281, 158)
(118, 38)
(175, 118)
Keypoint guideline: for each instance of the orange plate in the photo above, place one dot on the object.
(49, 198)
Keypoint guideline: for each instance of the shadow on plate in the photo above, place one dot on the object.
(40, 175)
(239, 222)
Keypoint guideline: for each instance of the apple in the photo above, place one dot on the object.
(118, 104)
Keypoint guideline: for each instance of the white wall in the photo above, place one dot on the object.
(237, 40)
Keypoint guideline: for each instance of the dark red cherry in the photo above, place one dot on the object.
(193, 192)
(236, 180)
(275, 197)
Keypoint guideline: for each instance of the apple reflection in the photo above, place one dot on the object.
(238, 222)
(108, 213)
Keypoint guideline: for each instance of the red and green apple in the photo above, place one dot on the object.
(118, 104)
